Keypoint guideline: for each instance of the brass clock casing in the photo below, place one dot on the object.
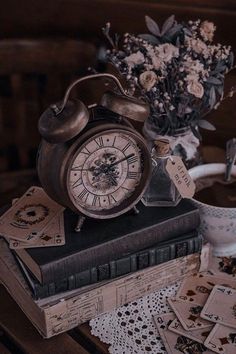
(54, 161)
(67, 127)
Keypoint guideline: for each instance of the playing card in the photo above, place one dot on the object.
(199, 335)
(174, 343)
(222, 339)
(198, 287)
(53, 235)
(221, 306)
(188, 314)
(223, 266)
(29, 216)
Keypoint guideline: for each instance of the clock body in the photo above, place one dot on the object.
(101, 173)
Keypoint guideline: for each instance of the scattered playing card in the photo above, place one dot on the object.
(199, 335)
(221, 306)
(174, 343)
(188, 314)
(222, 339)
(53, 235)
(198, 287)
(223, 266)
(29, 216)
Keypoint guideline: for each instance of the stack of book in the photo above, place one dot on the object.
(107, 264)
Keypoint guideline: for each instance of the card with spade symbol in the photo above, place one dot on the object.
(176, 343)
(199, 335)
(188, 314)
(222, 340)
(221, 306)
(27, 219)
(198, 287)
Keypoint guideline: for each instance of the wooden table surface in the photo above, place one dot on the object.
(18, 335)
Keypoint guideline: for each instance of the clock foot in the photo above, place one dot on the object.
(135, 209)
(80, 223)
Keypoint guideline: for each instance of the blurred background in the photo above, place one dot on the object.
(44, 45)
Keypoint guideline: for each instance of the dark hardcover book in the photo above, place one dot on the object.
(102, 241)
(165, 251)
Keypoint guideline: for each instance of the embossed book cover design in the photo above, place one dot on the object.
(104, 241)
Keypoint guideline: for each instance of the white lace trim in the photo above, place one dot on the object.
(130, 328)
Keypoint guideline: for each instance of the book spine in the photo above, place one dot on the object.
(104, 253)
(125, 265)
(71, 312)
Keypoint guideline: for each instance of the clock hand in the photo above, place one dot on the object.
(98, 168)
(121, 160)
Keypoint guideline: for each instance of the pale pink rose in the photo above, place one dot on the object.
(135, 59)
(199, 47)
(207, 30)
(196, 89)
(148, 79)
(167, 51)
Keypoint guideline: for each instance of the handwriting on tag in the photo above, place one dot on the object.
(180, 176)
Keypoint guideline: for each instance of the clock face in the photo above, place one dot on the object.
(105, 171)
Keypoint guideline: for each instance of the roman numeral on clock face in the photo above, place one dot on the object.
(85, 151)
(111, 199)
(96, 201)
(132, 159)
(132, 175)
(99, 141)
(83, 194)
(126, 147)
(77, 183)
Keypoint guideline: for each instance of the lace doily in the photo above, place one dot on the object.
(130, 328)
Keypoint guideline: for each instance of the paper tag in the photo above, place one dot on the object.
(180, 176)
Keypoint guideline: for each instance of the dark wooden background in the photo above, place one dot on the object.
(45, 44)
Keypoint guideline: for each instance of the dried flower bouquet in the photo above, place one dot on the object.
(177, 69)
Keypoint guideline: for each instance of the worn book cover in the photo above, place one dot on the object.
(163, 252)
(59, 313)
(102, 241)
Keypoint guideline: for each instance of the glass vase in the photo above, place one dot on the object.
(183, 143)
(186, 145)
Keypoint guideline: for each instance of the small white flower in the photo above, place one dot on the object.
(157, 63)
(191, 77)
(198, 46)
(207, 30)
(148, 79)
(171, 108)
(196, 89)
(135, 59)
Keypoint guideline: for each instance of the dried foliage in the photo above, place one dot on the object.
(176, 68)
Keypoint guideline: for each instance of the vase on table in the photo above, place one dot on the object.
(182, 142)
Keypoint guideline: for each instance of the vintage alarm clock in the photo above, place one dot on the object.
(97, 165)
